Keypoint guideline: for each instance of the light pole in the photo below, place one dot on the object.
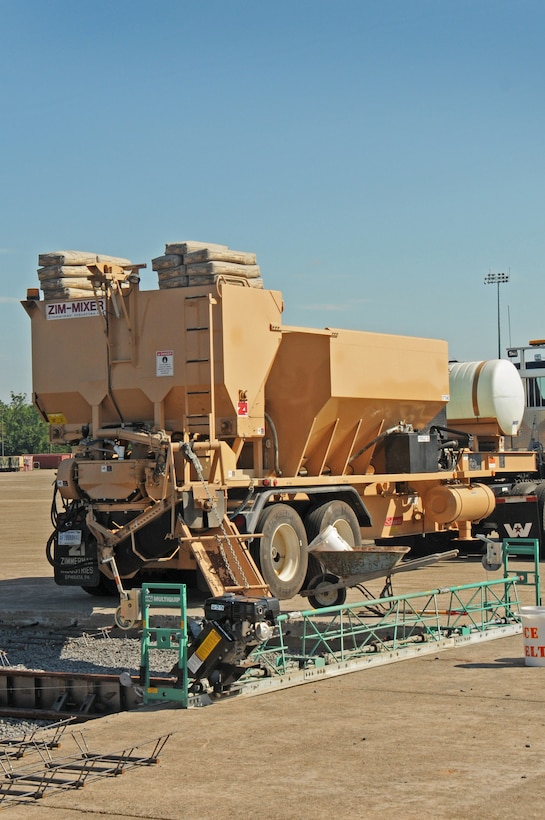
(497, 279)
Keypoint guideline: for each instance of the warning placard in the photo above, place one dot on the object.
(164, 363)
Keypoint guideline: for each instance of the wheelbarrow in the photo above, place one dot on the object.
(353, 568)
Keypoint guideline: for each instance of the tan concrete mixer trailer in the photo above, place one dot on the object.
(208, 436)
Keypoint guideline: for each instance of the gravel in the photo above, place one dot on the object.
(17, 728)
(107, 651)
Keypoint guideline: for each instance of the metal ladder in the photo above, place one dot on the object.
(200, 413)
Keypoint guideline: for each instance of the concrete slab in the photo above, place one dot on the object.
(456, 736)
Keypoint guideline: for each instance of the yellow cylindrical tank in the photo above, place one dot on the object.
(448, 503)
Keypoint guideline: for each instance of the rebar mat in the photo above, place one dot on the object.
(45, 771)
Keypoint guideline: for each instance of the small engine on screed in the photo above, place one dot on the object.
(233, 625)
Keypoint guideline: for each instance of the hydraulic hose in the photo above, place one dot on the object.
(397, 429)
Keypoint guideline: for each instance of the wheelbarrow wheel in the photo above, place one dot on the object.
(322, 596)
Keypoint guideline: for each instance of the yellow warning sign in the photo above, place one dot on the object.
(208, 645)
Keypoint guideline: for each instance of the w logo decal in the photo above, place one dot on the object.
(518, 530)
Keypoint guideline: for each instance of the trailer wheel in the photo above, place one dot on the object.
(341, 516)
(524, 488)
(325, 597)
(338, 514)
(282, 552)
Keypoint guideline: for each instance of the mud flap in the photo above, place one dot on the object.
(75, 560)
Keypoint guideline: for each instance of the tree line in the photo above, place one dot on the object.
(22, 429)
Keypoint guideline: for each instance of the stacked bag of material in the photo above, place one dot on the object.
(185, 264)
(68, 274)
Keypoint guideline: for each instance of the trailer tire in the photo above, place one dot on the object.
(338, 514)
(540, 493)
(282, 550)
(341, 516)
(524, 488)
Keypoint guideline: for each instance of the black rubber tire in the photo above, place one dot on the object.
(540, 493)
(524, 488)
(281, 553)
(313, 569)
(338, 514)
(334, 597)
(341, 516)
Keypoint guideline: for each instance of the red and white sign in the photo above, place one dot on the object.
(393, 521)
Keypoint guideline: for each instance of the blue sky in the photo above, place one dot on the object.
(379, 156)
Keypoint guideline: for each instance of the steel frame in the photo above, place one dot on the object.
(161, 597)
(317, 643)
(336, 640)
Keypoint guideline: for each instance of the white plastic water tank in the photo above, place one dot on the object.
(489, 389)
